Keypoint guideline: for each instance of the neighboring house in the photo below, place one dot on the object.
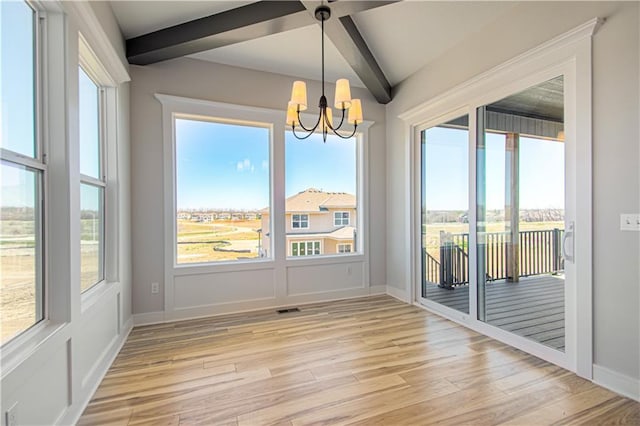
(203, 217)
(318, 222)
(184, 216)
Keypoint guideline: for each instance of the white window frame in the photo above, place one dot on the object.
(341, 246)
(299, 221)
(101, 181)
(278, 247)
(341, 218)
(218, 119)
(306, 246)
(37, 164)
(108, 179)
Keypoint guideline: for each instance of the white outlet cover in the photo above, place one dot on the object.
(629, 222)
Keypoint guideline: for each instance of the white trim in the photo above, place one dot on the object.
(213, 311)
(620, 383)
(588, 29)
(398, 293)
(95, 37)
(98, 372)
(148, 318)
(568, 54)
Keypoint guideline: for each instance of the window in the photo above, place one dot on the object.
(92, 182)
(299, 221)
(344, 248)
(341, 218)
(222, 191)
(321, 178)
(305, 248)
(22, 172)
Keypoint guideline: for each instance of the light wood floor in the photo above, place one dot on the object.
(532, 307)
(363, 361)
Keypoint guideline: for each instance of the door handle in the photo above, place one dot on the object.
(569, 235)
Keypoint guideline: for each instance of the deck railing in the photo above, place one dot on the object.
(539, 252)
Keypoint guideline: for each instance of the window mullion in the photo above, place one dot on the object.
(15, 158)
(89, 180)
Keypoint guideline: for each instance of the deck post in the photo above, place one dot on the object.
(512, 205)
(446, 261)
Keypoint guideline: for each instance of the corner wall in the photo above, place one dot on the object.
(616, 157)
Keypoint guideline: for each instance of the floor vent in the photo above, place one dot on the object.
(287, 310)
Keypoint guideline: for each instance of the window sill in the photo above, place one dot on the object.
(96, 293)
(207, 268)
(325, 259)
(24, 345)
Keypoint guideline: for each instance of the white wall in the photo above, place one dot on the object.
(615, 152)
(51, 381)
(212, 293)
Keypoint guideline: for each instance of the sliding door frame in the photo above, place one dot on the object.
(569, 55)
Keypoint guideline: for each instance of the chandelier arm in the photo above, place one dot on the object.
(312, 129)
(293, 130)
(355, 128)
(339, 125)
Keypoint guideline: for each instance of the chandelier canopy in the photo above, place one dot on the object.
(351, 108)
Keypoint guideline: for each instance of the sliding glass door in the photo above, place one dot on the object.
(521, 213)
(445, 213)
(502, 263)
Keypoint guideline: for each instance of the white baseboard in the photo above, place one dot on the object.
(398, 293)
(617, 382)
(158, 317)
(72, 415)
(148, 318)
(378, 289)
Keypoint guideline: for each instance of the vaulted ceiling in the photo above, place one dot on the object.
(375, 44)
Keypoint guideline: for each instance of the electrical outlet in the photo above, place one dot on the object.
(11, 416)
(349, 270)
(155, 288)
(630, 222)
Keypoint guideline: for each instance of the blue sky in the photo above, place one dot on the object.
(89, 126)
(446, 163)
(16, 77)
(221, 165)
(227, 166)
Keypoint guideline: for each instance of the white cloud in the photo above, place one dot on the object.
(265, 165)
(245, 165)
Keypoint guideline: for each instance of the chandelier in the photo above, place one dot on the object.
(352, 108)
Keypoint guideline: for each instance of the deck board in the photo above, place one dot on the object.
(532, 307)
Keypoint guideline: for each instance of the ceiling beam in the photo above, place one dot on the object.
(244, 23)
(232, 26)
(344, 34)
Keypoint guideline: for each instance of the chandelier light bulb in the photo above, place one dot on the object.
(355, 112)
(299, 95)
(343, 94)
(292, 115)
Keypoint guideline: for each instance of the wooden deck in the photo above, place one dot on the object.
(533, 308)
(370, 361)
